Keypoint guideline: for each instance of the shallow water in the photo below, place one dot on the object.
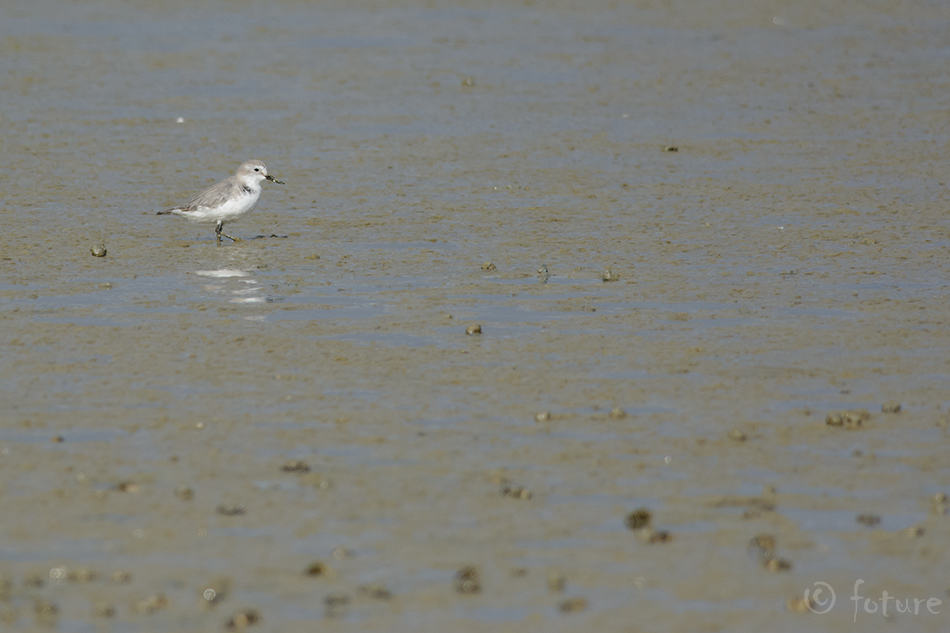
(789, 260)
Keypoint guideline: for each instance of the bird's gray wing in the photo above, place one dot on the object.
(213, 196)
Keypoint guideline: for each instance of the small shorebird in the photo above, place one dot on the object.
(227, 201)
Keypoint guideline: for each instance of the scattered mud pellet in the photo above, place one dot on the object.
(868, 519)
(319, 569)
(617, 413)
(914, 531)
(571, 605)
(33, 580)
(340, 552)
(519, 572)
(671, 148)
(184, 493)
(737, 435)
(854, 420)
(763, 546)
(468, 82)
(778, 564)
(638, 519)
(82, 575)
(473, 329)
(57, 439)
(295, 466)
(891, 406)
(834, 419)
(231, 510)
(488, 266)
(376, 592)
(103, 610)
(98, 250)
(610, 275)
(515, 492)
(9, 615)
(757, 510)
(46, 612)
(940, 503)
(242, 619)
(336, 604)
(649, 535)
(556, 582)
(800, 605)
(128, 486)
(543, 416)
(120, 578)
(151, 604)
(468, 580)
(336, 600)
(850, 420)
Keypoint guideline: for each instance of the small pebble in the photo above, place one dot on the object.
(868, 519)
(891, 407)
(98, 250)
(610, 275)
(543, 416)
(473, 329)
(488, 266)
(617, 413)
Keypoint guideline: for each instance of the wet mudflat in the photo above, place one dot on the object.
(297, 429)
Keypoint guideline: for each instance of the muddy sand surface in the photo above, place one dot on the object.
(304, 430)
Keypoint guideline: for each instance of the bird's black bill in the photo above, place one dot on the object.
(272, 179)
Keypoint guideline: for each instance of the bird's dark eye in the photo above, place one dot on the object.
(256, 169)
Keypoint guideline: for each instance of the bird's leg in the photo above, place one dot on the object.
(219, 232)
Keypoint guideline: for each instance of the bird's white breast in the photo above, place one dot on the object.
(230, 211)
